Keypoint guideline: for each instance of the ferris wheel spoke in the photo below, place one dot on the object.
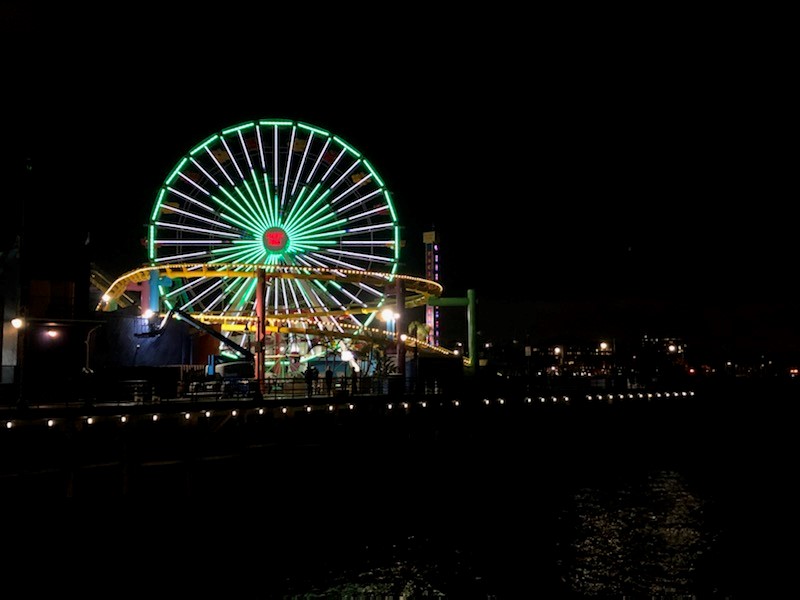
(359, 202)
(247, 251)
(195, 301)
(333, 160)
(215, 224)
(224, 211)
(379, 227)
(361, 255)
(238, 293)
(184, 256)
(310, 261)
(305, 203)
(251, 204)
(242, 217)
(341, 178)
(368, 214)
(288, 168)
(216, 156)
(210, 232)
(232, 159)
(219, 300)
(368, 243)
(303, 286)
(333, 298)
(306, 146)
(191, 283)
(189, 199)
(352, 296)
(275, 158)
(318, 163)
(329, 261)
(203, 170)
(190, 299)
(323, 234)
(293, 291)
(262, 202)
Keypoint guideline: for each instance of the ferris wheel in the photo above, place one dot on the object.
(279, 195)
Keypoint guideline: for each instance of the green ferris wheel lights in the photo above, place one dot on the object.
(313, 129)
(238, 128)
(347, 146)
(275, 192)
(204, 144)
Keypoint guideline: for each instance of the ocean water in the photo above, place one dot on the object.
(676, 498)
(637, 501)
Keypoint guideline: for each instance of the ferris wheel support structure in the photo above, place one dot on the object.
(472, 331)
(261, 281)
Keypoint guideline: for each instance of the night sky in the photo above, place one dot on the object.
(585, 183)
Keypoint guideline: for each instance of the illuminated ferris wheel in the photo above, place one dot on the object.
(275, 194)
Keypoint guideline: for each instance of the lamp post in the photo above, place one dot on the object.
(347, 356)
(347, 359)
(19, 324)
(558, 351)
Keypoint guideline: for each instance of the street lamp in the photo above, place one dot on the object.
(347, 355)
(18, 323)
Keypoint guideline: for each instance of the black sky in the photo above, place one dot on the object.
(608, 180)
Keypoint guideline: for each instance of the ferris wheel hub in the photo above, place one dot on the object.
(276, 240)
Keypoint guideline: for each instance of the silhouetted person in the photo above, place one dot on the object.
(329, 381)
(315, 374)
(310, 381)
(354, 380)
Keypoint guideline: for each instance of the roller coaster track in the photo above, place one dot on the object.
(417, 293)
(417, 290)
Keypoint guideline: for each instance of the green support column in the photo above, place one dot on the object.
(472, 332)
(472, 328)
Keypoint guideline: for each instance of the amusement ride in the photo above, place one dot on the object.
(282, 240)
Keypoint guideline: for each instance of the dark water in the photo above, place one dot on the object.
(687, 499)
(614, 502)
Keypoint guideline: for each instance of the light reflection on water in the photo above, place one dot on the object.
(645, 537)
